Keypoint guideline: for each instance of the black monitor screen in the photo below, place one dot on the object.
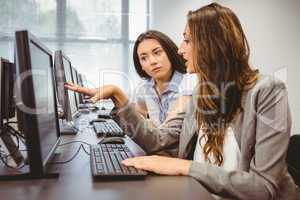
(75, 82)
(44, 98)
(69, 79)
(79, 77)
(7, 83)
(84, 81)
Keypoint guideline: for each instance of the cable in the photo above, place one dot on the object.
(11, 122)
(5, 162)
(76, 141)
(70, 159)
(67, 143)
(13, 130)
(76, 153)
(7, 129)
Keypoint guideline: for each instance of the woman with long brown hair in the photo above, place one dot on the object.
(236, 130)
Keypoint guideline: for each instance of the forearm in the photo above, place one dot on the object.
(86, 91)
(119, 97)
(151, 138)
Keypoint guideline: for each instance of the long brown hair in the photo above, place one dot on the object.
(221, 57)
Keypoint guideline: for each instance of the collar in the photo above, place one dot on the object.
(173, 84)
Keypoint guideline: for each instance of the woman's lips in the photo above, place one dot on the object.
(156, 69)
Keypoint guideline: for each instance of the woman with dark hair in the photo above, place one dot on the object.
(236, 131)
(157, 62)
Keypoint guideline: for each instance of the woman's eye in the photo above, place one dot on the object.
(143, 58)
(186, 41)
(157, 52)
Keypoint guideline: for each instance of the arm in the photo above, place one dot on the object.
(141, 108)
(106, 92)
(152, 139)
(179, 106)
(83, 90)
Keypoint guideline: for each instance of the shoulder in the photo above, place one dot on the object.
(267, 85)
(141, 89)
(142, 86)
(266, 82)
(188, 84)
(269, 93)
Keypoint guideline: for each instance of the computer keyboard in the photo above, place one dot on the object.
(109, 128)
(106, 162)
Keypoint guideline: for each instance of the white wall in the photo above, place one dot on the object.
(169, 16)
(271, 26)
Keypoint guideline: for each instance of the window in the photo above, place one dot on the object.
(97, 35)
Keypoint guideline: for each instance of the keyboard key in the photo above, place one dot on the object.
(108, 162)
(115, 162)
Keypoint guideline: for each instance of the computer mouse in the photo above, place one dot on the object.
(97, 120)
(104, 116)
(94, 108)
(112, 140)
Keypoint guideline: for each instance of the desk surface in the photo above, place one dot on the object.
(75, 180)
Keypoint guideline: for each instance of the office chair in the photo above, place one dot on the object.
(293, 159)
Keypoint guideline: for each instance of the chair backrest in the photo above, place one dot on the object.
(293, 158)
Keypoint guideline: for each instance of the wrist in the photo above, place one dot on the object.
(185, 167)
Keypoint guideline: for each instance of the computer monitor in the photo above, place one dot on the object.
(7, 93)
(78, 81)
(70, 104)
(84, 81)
(79, 77)
(75, 81)
(36, 102)
(66, 98)
(7, 111)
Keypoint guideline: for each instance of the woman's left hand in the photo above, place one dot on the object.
(160, 164)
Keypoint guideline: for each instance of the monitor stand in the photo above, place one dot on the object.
(52, 171)
(22, 170)
(67, 128)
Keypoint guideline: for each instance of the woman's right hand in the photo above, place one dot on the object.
(106, 92)
(79, 89)
(111, 92)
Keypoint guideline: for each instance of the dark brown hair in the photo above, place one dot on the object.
(221, 57)
(177, 62)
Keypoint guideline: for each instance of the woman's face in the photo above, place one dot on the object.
(185, 50)
(154, 60)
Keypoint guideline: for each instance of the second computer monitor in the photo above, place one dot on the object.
(63, 74)
(74, 78)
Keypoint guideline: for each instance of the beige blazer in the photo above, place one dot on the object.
(262, 131)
